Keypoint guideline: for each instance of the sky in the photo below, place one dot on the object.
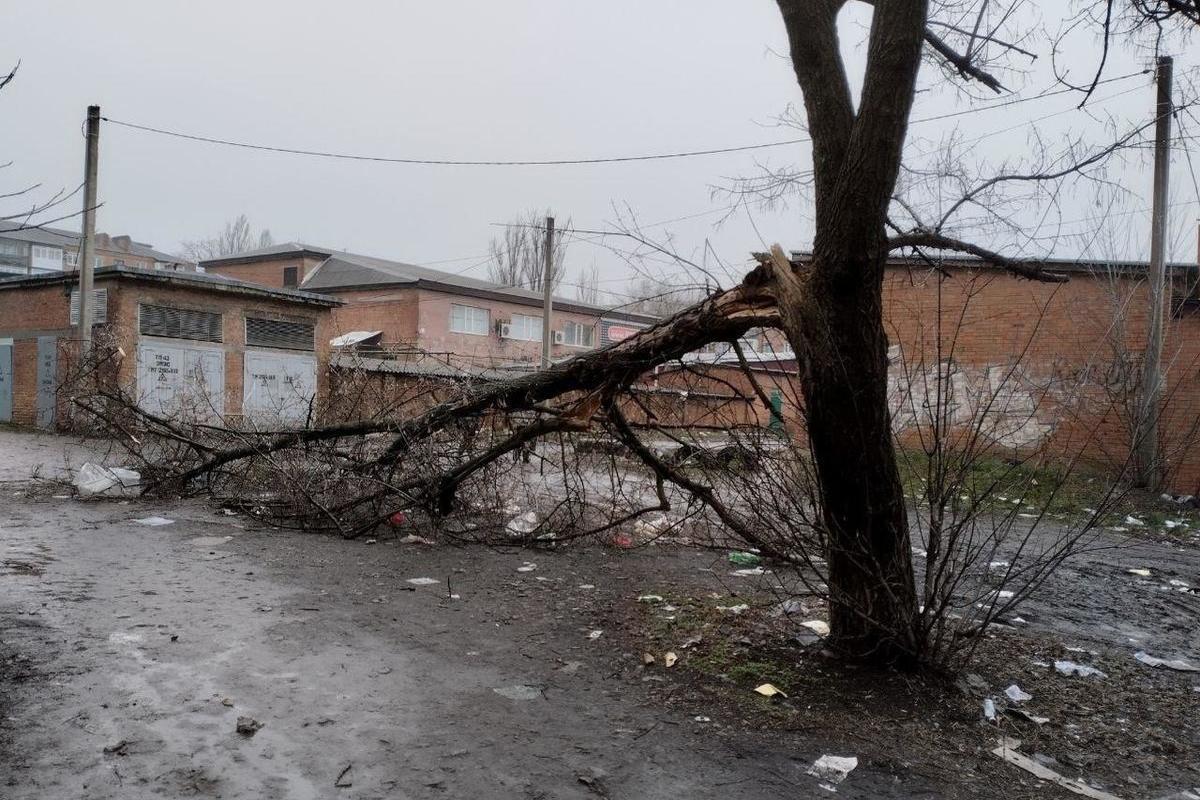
(472, 80)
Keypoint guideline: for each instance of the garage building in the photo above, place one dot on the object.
(193, 344)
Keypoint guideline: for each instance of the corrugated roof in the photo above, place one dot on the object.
(342, 270)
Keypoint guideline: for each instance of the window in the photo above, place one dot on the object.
(14, 253)
(576, 334)
(178, 323)
(47, 257)
(279, 334)
(526, 328)
(469, 319)
(291, 277)
(71, 258)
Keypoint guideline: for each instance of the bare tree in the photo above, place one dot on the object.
(587, 289)
(237, 237)
(518, 256)
(648, 295)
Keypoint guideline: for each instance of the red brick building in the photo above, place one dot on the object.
(188, 343)
(411, 306)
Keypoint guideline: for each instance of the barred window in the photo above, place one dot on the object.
(280, 334)
(179, 323)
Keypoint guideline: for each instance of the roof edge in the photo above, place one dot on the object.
(190, 280)
(227, 261)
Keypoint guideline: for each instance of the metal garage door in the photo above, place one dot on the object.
(178, 380)
(47, 381)
(279, 387)
(6, 380)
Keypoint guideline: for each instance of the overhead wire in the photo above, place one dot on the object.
(560, 162)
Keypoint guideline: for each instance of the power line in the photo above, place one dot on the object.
(446, 162)
(561, 162)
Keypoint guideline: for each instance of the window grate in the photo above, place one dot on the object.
(99, 306)
(280, 334)
(179, 323)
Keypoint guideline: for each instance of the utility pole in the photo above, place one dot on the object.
(1146, 441)
(87, 245)
(548, 294)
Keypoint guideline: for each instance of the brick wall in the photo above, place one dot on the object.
(1048, 365)
(268, 272)
(26, 314)
(124, 297)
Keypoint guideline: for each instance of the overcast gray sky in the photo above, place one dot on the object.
(458, 80)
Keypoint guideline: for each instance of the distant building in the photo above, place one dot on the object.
(390, 305)
(44, 251)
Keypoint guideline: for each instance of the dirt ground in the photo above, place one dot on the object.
(129, 651)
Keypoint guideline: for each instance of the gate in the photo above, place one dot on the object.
(47, 380)
(6, 380)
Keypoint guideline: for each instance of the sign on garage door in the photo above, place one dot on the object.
(279, 387)
(181, 380)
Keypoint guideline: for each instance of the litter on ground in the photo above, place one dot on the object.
(1082, 670)
(833, 769)
(1016, 694)
(1177, 664)
(1008, 752)
(769, 690)
(94, 479)
(818, 626)
(423, 581)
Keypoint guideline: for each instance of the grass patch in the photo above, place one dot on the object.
(997, 484)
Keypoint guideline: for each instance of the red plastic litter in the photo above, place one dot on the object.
(397, 519)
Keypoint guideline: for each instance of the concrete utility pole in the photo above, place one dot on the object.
(1146, 456)
(548, 294)
(87, 245)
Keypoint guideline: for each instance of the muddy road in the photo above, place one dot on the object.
(131, 650)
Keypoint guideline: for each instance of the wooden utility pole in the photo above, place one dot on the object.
(548, 294)
(87, 245)
(1146, 442)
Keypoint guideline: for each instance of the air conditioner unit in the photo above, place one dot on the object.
(559, 337)
(504, 329)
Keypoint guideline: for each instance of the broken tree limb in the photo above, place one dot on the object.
(720, 317)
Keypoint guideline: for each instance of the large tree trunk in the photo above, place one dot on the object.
(832, 313)
(844, 376)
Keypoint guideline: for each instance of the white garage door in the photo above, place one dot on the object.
(179, 380)
(279, 387)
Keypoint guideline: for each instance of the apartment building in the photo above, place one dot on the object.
(45, 251)
(395, 305)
